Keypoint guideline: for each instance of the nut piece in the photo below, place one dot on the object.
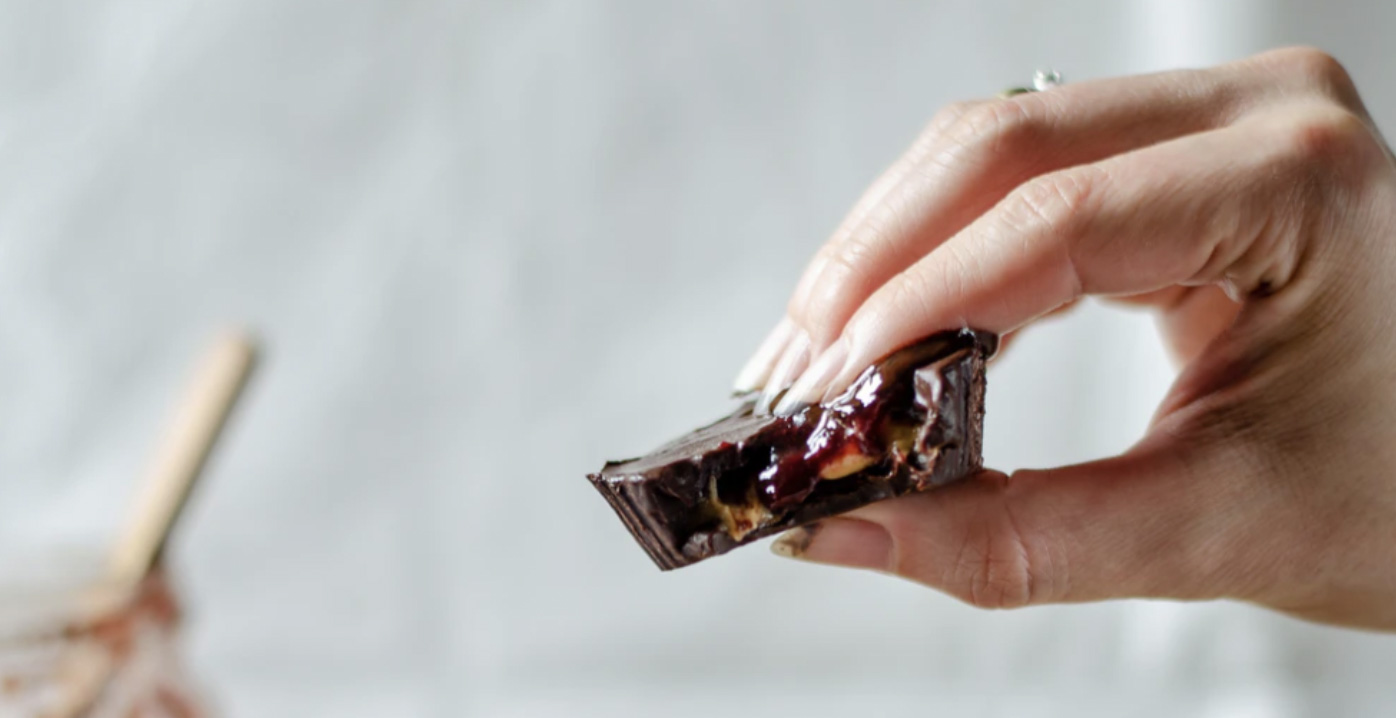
(738, 520)
(848, 463)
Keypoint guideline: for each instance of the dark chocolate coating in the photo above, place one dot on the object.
(748, 476)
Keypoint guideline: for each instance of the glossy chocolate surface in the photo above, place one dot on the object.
(909, 423)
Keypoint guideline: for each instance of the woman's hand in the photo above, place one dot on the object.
(1253, 205)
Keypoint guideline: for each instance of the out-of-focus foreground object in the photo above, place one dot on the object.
(103, 642)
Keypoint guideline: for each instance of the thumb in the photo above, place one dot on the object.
(1147, 523)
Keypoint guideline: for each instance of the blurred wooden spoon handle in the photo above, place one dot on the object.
(181, 455)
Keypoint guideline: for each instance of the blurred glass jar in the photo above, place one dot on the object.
(72, 649)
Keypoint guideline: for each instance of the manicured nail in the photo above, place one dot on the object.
(812, 385)
(851, 370)
(758, 368)
(791, 364)
(794, 543)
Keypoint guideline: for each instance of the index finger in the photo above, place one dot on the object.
(1213, 207)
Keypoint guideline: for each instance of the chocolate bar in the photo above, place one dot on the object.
(910, 422)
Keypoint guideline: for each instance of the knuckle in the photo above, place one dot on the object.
(1055, 203)
(984, 556)
(847, 273)
(838, 280)
(993, 566)
(1323, 141)
(1314, 70)
(948, 116)
(847, 259)
(994, 572)
(1000, 583)
(999, 127)
(1320, 161)
(907, 299)
(1311, 64)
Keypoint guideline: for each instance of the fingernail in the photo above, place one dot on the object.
(794, 543)
(791, 363)
(758, 368)
(843, 541)
(851, 369)
(811, 387)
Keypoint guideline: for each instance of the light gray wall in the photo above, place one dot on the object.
(491, 244)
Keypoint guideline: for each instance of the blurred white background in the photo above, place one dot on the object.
(491, 244)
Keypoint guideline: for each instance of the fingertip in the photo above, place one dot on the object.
(794, 543)
(839, 541)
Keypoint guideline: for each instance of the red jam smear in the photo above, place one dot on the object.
(819, 435)
(865, 419)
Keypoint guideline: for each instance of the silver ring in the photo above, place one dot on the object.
(1043, 79)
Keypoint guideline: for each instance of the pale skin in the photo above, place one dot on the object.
(1252, 206)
